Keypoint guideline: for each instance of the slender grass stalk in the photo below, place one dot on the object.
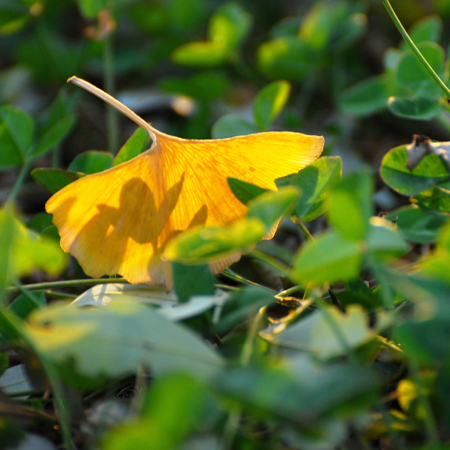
(277, 265)
(17, 185)
(415, 50)
(109, 82)
(303, 228)
(65, 284)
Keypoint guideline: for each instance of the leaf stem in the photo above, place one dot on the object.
(65, 284)
(109, 82)
(415, 50)
(272, 262)
(303, 228)
(17, 185)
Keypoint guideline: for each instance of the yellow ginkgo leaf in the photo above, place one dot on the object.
(119, 221)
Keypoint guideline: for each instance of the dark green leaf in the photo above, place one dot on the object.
(232, 125)
(24, 305)
(429, 171)
(270, 102)
(90, 162)
(16, 136)
(365, 98)
(414, 108)
(192, 280)
(90, 8)
(435, 199)
(243, 191)
(54, 179)
(135, 145)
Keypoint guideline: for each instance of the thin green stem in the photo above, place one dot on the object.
(28, 294)
(303, 228)
(17, 185)
(65, 284)
(109, 81)
(58, 390)
(292, 290)
(235, 277)
(415, 50)
(277, 265)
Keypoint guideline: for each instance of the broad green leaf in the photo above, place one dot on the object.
(411, 73)
(417, 225)
(428, 29)
(365, 98)
(173, 408)
(200, 54)
(271, 206)
(39, 222)
(316, 182)
(232, 125)
(54, 179)
(383, 242)
(190, 281)
(90, 162)
(430, 171)
(303, 395)
(54, 135)
(198, 246)
(135, 145)
(243, 191)
(435, 199)
(288, 57)
(351, 205)
(16, 136)
(269, 103)
(414, 108)
(24, 305)
(90, 8)
(317, 334)
(113, 341)
(229, 26)
(24, 251)
(327, 259)
(320, 23)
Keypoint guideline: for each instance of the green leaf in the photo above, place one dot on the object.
(316, 182)
(232, 125)
(24, 251)
(315, 333)
(271, 206)
(190, 281)
(327, 259)
(135, 145)
(430, 171)
(39, 222)
(383, 242)
(435, 199)
(365, 98)
(411, 74)
(304, 394)
(90, 8)
(351, 205)
(90, 162)
(24, 305)
(229, 26)
(174, 407)
(427, 29)
(243, 191)
(54, 179)
(417, 225)
(198, 246)
(200, 54)
(269, 103)
(113, 341)
(54, 135)
(287, 57)
(16, 136)
(414, 108)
